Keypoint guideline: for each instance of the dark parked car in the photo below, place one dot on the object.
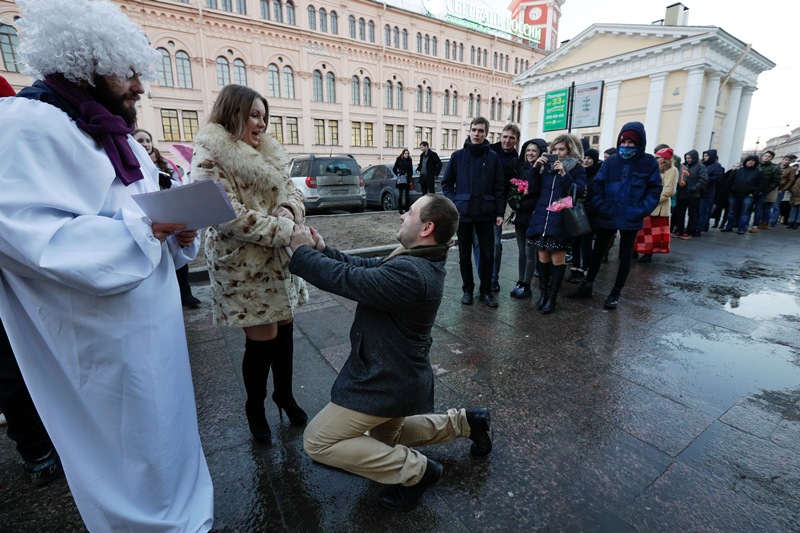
(329, 182)
(380, 185)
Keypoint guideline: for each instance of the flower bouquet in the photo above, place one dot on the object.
(564, 203)
(519, 188)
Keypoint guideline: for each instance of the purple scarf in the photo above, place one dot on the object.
(110, 130)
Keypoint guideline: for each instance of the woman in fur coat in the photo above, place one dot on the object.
(251, 286)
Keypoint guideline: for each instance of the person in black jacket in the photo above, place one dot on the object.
(523, 212)
(582, 246)
(403, 169)
(429, 167)
(690, 186)
(381, 399)
(744, 182)
(715, 173)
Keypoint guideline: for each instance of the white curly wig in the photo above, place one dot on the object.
(81, 39)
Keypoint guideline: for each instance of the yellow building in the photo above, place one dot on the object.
(691, 86)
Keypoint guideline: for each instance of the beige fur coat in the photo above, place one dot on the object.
(247, 261)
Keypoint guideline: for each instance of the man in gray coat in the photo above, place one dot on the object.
(385, 387)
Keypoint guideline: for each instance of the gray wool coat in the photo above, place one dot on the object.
(388, 373)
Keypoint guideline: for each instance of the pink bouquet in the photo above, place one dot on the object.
(564, 203)
(518, 190)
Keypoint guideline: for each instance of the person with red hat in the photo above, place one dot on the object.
(5, 88)
(654, 236)
(626, 189)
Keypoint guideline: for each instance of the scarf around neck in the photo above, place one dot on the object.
(110, 130)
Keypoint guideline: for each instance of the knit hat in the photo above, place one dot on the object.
(631, 135)
(594, 154)
(665, 153)
(5, 88)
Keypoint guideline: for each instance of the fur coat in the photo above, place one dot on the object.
(247, 260)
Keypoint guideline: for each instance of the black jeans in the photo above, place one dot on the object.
(485, 233)
(403, 190)
(427, 183)
(681, 206)
(603, 239)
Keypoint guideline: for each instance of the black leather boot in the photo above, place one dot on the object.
(544, 284)
(556, 278)
(480, 431)
(402, 498)
(282, 363)
(255, 370)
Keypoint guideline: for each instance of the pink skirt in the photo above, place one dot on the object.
(653, 238)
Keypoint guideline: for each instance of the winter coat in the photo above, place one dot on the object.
(474, 182)
(509, 162)
(627, 190)
(403, 166)
(795, 191)
(744, 181)
(551, 186)
(695, 179)
(669, 183)
(788, 177)
(715, 173)
(388, 372)
(247, 263)
(768, 184)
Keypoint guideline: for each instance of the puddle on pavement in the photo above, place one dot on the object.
(763, 305)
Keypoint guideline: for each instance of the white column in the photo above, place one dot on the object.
(525, 123)
(709, 111)
(741, 126)
(608, 132)
(691, 108)
(652, 119)
(540, 125)
(729, 126)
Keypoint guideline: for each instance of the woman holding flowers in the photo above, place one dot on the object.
(552, 182)
(523, 202)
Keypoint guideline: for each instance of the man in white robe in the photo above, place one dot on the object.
(88, 293)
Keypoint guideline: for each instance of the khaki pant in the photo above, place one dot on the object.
(338, 437)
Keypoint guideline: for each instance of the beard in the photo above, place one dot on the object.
(111, 99)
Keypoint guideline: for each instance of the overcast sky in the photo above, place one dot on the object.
(773, 28)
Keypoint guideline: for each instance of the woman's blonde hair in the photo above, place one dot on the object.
(232, 108)
(573, 144)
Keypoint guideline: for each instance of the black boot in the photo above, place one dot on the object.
(282, 364)
(544, 284)
(556, 278)
(480, 431)
(255, 370)
(187, 299)
(584, 290)
(405, 498)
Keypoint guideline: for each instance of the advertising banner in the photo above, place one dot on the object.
(587, 104)
(555, 110)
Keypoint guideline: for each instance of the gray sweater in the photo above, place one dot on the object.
(388, 373)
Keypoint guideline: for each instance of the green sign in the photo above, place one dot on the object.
(555, 110)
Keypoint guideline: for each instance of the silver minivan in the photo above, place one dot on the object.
(329, 182)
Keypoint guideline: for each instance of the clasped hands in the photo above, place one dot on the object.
(306, 235)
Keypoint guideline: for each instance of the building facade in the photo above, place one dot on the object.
(691, 86)
(361, 77)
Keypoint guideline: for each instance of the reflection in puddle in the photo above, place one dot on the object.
(764, 305)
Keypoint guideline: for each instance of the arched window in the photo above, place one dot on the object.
(334, 23)
(516, 65)
(264, 9)
(273, 82)
(526, 64)
(366, 88)
(455, 103)
(290, 18)
(355, 91)
(435, 48)
(419, 43)
(461, 52)
(184, 68)
(371, 31)
(312, 18)
(362, 29)
(471, 105)
(427, 44)
(447, 49)
(446, 102)
(398, 99)
(478, 105)
(223, 72)
(479, 57)
(288, 82)
(397, 37)
(387, 35)
(164, 68)
(499, 109)
(491, 109)
(389, 103)
(428, 100)
(506, 62)
(317, 92)
(485, 57)
(277, 10)
(471, 55)
(513, 105)
(239, 72)
(405, 39)
(323, 19)
(352, 21)
(330, 87)
(519, 111)
(455, 51)
(419, 98)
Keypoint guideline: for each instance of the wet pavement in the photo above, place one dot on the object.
(679, 411)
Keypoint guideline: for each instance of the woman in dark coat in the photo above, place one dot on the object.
(403, 168)
(523, 212)
(552, 182)
(582, 246)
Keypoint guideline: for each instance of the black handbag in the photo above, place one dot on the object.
(575, 220)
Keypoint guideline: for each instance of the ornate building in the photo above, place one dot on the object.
(360, 77)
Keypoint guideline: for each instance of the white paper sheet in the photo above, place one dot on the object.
(198, 205)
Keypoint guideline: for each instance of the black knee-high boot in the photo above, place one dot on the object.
(187, 298)
(282, 363)
(255, 370)
(544, 284)
(557, 277)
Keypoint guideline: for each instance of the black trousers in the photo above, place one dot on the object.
(603, 239)
(24, 425)
(427, 183)
(692, 205)
(485, 233)
(402, 190)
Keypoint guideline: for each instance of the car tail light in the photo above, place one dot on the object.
(361, 181)
(311, 183)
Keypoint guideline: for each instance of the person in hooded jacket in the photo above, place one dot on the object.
(744, 183)
(654, 236)
(523, 213)
(626, 190)
(715, 173)
(691, 183)
(552, 182)
(582, 246)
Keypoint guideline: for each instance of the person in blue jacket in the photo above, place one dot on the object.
(715, 173)
(626, 189)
